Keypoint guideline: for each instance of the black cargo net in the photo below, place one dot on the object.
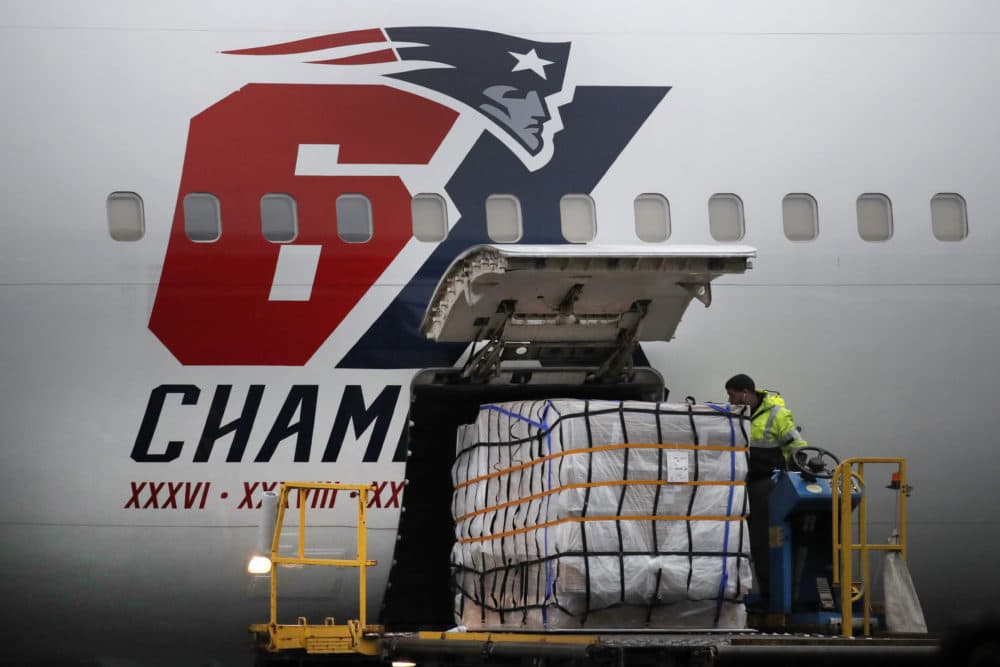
(574, 513)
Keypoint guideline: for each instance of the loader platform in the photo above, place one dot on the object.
(612, 649)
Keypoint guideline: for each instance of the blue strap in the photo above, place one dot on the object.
(504, 411)
(724, 580)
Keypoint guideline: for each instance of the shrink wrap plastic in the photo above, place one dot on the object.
(574, 513)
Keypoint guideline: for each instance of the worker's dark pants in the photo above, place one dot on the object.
(763, 462)
(758, 490)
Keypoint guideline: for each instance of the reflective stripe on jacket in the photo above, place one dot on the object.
(772, 425)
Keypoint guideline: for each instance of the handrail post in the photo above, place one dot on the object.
(902, 506)
(282, 503)
(362, 554)
(864, 553)
(302, 524)
(846, 556)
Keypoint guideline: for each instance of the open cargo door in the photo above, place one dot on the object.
(581, 306)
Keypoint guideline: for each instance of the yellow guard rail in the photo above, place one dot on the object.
(847, 478)
(329, 637)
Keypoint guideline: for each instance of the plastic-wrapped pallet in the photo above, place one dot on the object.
(574, 513)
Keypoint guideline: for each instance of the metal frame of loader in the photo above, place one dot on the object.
(356, 642)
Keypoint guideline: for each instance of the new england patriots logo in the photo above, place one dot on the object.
(515, 83)
(467, 113)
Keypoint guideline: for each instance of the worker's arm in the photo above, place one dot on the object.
(786, 432)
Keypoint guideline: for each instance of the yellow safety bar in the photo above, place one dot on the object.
(848, 478)
(326, 638)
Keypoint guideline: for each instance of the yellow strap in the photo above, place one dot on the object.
(599, 448)
(616, 482)
(581, 519)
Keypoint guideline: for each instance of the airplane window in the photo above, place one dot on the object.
(725, 217)
(652, 217)
(949, 218)
(126, 220)
(430, 217)
(278, 218)
(503, 218)
(874, 217)
(800, 216)
(578, 218)
(354, 218)
(202, 219)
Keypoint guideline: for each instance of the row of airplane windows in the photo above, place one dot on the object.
(279, 217)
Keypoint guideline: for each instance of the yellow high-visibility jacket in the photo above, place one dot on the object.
(772, 425)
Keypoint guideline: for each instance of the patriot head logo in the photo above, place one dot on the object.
(384, 113)
(517, 84)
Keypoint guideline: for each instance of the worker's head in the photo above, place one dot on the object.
(741, 390)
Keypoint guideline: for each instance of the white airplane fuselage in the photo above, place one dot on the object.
(154, 388)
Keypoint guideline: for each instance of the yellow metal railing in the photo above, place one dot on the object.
(848, 478)
(329, 637)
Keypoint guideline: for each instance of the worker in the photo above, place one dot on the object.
(773, 436)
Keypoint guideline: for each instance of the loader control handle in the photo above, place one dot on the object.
(811, 461)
